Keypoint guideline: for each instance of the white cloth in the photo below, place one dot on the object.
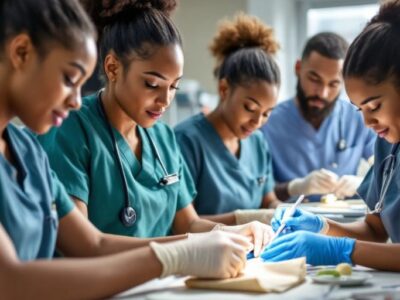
(260, 277)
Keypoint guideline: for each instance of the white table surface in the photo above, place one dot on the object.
(174, 288)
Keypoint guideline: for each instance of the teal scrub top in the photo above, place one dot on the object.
(81, 153)
(31, 197)
(370, 189)
(223, 181)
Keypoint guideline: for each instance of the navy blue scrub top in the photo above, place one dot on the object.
(370, 188)
(32, 202)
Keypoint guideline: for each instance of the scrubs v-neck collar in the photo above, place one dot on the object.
(216, 140)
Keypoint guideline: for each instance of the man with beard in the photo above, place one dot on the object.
(316, 139)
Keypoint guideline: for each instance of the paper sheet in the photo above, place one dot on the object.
(259, 277)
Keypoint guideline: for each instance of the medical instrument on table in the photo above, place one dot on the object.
(289, 212)
(388, 164)
(128, 214)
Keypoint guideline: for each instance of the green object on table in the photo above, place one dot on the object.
(331, 272)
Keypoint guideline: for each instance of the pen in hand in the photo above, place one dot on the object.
(289, 212)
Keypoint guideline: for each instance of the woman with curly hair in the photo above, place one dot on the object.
(226, 154)
(129, 177)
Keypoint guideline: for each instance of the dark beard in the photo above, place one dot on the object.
(313, 115)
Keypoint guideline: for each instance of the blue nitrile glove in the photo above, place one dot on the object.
(301, 220)
(317, 248)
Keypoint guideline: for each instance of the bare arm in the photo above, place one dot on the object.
(270, 200)
(370, 229)
(281, 191)
(187, 220)
(380, 256)
(88, 278)
(106, 243)
(227, 219)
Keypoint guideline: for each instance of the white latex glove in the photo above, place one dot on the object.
(262, 215)
(210, 255)
(347, 186)
(259, 234)
(317, 182)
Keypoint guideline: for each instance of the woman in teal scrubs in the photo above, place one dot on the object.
(47, 51)
(226, 154)
(373, 86)
(128, 176)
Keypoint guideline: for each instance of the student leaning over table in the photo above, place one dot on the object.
(227, 156)
(129, 177)
(47, 51)
(373, 86)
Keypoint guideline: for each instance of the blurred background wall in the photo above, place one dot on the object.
(293, 21)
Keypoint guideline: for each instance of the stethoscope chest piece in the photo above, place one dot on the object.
(128, 216)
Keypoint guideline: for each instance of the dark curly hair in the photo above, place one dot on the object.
(374, 55)
(133, 27)
(244, 50)
(62, 21)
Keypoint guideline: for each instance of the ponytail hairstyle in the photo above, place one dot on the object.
(244, 50)
(133, 27)
(45, 21)
(374, 55)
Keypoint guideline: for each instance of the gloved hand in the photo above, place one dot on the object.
(317, 182)
(262, 215)
(318, 249)
(259, 234)
(347, 186)
(212, 255)
(301, 220)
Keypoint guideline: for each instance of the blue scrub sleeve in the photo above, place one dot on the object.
(270, 181)
(190, 155)
(187, 187)
(367, 189)
(69, 157)
(63, 201)
(369, 144)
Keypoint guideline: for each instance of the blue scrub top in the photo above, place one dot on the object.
(370, 188)
(32, 202)
(297, 148)
(224, 182)
(81, 153)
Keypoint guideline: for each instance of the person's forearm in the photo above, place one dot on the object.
(270, 200)
(379, 256)
(93, 278)
(202, 225)
(227, 219)
(281, 191)
(358, 230)
(110, 244)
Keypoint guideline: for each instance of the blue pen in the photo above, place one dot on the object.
(288, 214)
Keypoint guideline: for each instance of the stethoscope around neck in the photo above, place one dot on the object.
(341, 144)
(389, 165)
(128, 214)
